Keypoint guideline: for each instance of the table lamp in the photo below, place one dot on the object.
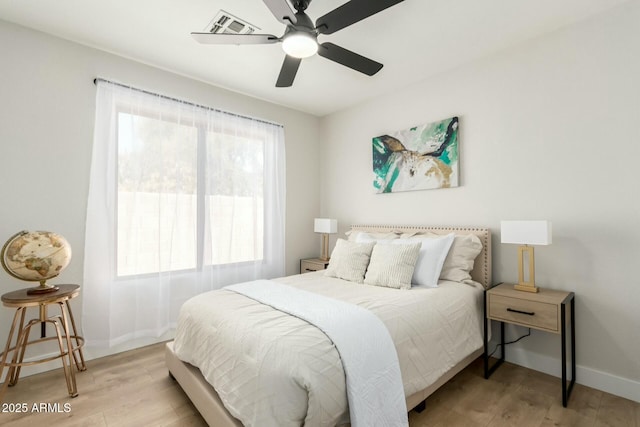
(325, 226)
(526, 233)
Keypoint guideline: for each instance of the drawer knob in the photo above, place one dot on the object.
(528, 313)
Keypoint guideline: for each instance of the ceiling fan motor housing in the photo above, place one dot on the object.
(303, 23)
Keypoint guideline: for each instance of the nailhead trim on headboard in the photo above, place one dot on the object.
(484, 234)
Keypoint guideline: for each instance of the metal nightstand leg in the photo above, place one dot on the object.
(566, 390)
(489, 370)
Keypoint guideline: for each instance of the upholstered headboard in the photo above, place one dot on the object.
(481, 272)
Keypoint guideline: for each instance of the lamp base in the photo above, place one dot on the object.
(325, 247)
(526, 285)
(526, 288)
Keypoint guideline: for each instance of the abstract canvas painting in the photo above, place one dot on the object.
(419, 158)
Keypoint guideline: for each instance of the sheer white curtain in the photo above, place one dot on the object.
(182, 199)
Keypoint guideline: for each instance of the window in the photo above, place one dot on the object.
(183, 199)
(162, 165)
(157, 195)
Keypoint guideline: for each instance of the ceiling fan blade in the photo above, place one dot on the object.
(349, 59)
(350, 13)
(282, 10)
(288, 71)
(211, 38)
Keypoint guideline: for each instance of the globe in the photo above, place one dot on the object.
(36, 256)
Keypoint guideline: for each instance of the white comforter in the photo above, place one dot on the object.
(368, 355)
(273, 369)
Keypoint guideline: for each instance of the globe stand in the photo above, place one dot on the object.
(42, 289)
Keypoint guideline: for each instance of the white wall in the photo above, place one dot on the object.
(47, 99)
(548, 130)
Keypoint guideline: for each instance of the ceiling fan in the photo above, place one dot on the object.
(300, 39)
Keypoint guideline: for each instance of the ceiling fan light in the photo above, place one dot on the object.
(300, 45)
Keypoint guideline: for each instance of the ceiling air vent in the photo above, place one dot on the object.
(226, 23)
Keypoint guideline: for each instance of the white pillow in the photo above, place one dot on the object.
(461, 258)
(364, 237)
(433, 252)
(368, 238)
(349, 260)
(459, 262)
(392, 265)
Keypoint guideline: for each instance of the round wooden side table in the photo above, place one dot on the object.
(69, 342)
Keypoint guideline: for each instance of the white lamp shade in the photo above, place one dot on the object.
(325, 225)
(525, 232)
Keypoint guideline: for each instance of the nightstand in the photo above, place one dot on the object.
(312, 264)
(544, 311)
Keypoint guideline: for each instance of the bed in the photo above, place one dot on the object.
(419, 381)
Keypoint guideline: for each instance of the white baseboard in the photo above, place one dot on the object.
(589, 377)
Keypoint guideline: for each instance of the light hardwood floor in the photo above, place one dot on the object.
(134, 389)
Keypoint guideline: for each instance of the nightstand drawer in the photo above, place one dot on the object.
(534, 314)
(314, 264)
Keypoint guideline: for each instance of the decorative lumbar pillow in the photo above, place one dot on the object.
(433, 252)
(392, 265)
(349, 260)
(461, 258)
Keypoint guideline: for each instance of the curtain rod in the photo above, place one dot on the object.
(99, 79)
